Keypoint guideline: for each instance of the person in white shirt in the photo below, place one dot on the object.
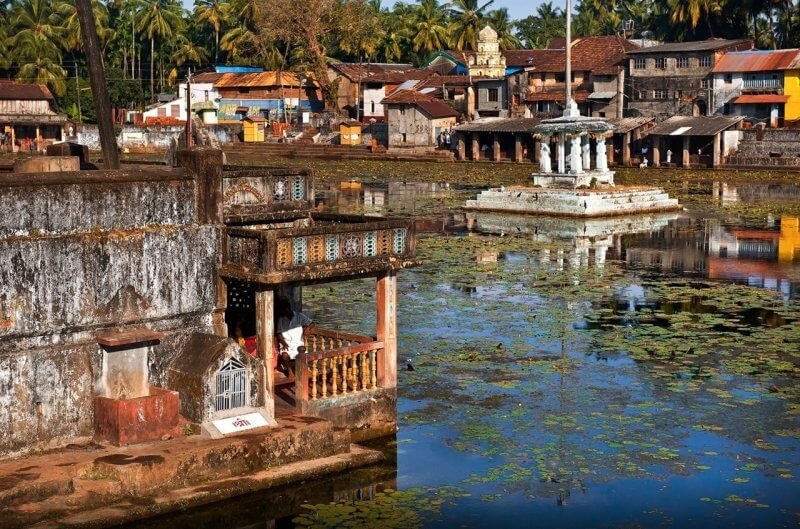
(290, 329)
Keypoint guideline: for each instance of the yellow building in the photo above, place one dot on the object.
(791, 88)
(254, 127)
(350, 133)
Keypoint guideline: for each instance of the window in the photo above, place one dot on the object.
(705, 62)
(638, 63)
(402, 111)
(492, 94)
(243, 90)
(683, 62)
(728, 78)
(660, 94)
(641, 94)
(231, 385)
(206, 95)
(705, 83)
(542, 77)
(661, 63)
(560, 77)
(372, 107)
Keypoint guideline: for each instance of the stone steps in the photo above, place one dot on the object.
(574, 203)
(93, 476)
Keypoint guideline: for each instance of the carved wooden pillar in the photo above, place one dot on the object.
(517, 147)
(476, 148)
(386, 299)
(495, 148)
(265, 332)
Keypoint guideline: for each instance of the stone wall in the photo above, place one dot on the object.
(151, 137)
(86, 252)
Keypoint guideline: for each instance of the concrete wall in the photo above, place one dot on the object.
(152, 137)
(86, 253)
(411, 127)
(492, 107)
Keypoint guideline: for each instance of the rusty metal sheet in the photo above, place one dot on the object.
(758, 61)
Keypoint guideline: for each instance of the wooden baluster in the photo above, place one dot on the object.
(314, 364)
(324, 378)
(345, 375)
(374, 367)
(339, 342)
(363, 370)
(334, 375)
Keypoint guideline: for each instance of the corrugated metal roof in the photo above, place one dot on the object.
(235, 80)
(515, 125)
(694, 126)
(750, 99)
(602, 95)
(23, 91)
(702, 45)
(623, 125)
(758, 61)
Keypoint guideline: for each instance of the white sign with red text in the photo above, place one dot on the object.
(240, 423)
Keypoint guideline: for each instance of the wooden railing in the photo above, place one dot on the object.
(336, 364)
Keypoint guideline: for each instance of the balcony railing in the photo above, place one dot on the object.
(336, 364)
(763, 83)
(321, 249)
(255, 193)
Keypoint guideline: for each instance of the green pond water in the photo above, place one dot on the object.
(630, 372)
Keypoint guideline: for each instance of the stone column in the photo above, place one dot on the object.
(386, 300)
(715, 157)
(656, 151)
(476, 147)
(586, 152)
(265, 332)
(601, 161)
(207, 166)
(518, 148)
(495, 148)
(575, 166)
(462, 147)
(562, 162)
(685, 160)
(626, 149)
(610, 151)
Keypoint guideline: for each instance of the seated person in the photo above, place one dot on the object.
(290, 328)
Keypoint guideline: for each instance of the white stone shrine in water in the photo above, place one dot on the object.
(575, 187)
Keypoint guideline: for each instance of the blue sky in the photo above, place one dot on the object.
(516, 8)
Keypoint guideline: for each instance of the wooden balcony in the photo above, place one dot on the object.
(310, 246)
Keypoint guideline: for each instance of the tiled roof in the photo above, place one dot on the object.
(754, 99)
(235, 80)
(758, 61)
(207, 77)
(558, 96)
(436, 108)
(599, 54)
(500, 125)
(623, 125)
(377, 71)
(22, 91)
(701, 45)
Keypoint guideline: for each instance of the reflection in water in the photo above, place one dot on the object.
(409, 198)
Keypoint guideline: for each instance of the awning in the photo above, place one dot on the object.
(602, 95)
(754, 99)
(242, 109)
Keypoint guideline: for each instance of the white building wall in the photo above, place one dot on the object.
(372, 101)
(724, 92)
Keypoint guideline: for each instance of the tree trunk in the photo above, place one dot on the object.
(216, 54)
(152, 68)
(772, 29)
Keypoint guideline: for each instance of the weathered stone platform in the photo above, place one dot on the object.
(100, 486)
(574, 202)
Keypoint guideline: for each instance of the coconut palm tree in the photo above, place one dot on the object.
(394, 37)
(429, 25)
(466, 17)
(72, 25)
(42, 18)
(212, 12)
(157, 18)
(690, 12)
(40, 62)
(502, 24)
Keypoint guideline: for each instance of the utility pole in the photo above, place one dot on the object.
(78, 92)
(189, 108)
(568, 46)
(97, 78)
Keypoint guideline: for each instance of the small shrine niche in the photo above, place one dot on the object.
(217, 380)
(127, 409)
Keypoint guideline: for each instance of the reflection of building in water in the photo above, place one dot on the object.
(591, 239)
(377, 198)
(727, 194)
(757, 257)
